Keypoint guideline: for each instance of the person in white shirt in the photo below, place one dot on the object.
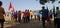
(35, 14)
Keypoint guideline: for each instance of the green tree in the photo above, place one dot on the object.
(45, 1)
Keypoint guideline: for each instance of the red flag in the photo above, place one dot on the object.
(10, 6)
(13, 10)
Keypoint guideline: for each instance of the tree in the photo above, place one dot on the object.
(45, 1)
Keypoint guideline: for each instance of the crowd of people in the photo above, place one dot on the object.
(17, 15)
(46, 16)
(27, 14)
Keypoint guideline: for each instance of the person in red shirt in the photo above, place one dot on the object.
(28, 17)
(48, 16)
(26, 13)
(15, 15)
(19, 16)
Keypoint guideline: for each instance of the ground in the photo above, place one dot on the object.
(31, 24)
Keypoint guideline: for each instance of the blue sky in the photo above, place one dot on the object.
(26, 4)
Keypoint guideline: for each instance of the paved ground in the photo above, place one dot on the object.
(32, 24)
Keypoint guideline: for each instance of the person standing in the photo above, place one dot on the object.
(23, 17)
(19, 16)
(43, 16)
(38, 15)
(47, 16)
(57, 15)
(54, 13)
(2, 12)
(31, 14)
(28, 16)
(50, 14)
(26, 13)
(35, 14)
(15, 16)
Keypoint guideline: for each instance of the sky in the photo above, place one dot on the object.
(26, 4)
